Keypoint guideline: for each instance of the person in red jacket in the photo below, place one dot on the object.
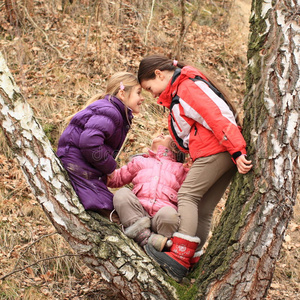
(203, 123)
(148, 212)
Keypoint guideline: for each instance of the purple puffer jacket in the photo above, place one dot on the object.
(156, 179)
(88, 146)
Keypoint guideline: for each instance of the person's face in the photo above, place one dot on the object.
(164, 140)
(134, 99)
(157, 85)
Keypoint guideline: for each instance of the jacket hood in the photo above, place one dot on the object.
(162, 152)
(178, 77)
(121, 107)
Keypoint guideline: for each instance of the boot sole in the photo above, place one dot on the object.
(170, 265)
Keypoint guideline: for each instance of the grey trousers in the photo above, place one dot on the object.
(201, 191)
(165, 222)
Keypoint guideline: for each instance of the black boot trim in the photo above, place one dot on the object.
(170, 265)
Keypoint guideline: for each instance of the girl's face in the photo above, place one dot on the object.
(133, 99)
(157, 85)
(164, 140)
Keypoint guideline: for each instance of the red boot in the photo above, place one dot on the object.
(178, 261)
(195, 259)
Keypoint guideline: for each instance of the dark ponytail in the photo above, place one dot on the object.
(151, 63)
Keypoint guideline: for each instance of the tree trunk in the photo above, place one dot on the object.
(241, 256)
(184, 26)
(93, 237)
(14, 9)
(11, 10)
(28, 4)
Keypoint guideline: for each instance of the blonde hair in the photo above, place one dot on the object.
(119, 80)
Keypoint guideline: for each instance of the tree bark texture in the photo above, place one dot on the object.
(101, 244)
(241, 257)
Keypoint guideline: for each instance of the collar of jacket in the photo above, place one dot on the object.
(162, 152)
(121, 107)
(179, 76)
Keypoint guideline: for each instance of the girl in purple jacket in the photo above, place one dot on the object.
(151, 206)
(88, 146)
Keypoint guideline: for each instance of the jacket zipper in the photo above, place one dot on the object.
(175, 121)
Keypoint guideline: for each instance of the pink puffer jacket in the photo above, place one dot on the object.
(156, 179)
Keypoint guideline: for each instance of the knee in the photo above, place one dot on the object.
(166, 221)
(189, 199)
(168, 215)
(121, 197)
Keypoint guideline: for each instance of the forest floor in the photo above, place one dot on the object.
(61, 58)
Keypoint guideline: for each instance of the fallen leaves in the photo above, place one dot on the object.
(56, 88)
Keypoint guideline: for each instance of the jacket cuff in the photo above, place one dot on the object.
(237, 154)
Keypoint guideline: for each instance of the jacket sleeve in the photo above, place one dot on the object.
(205, 107)
(92, 143)
(183, 175)
(124, 175)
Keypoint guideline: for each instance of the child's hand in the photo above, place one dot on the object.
(243, 165)
(109, 177)
(188, 163)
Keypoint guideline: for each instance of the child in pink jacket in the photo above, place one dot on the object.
(148, 212)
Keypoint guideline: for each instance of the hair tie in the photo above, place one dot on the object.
(175, 62)
(122, 87)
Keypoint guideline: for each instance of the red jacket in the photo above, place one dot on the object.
(200, 122)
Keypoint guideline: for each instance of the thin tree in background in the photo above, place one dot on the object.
(14, 10)
(184, 26)
(10, 6)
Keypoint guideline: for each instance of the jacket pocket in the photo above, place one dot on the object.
(171, 194)
(137, 188)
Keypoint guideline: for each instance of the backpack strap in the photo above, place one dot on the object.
(175, 75)
(212, 87)
(197, 78)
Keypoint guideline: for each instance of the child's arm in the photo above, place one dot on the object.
(123, 175)
(92, 143)
(187, 164)
(181, 175)
(110, 178)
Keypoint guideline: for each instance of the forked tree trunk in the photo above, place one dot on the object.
(241, 256)
(102, 245)
(240, 261)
